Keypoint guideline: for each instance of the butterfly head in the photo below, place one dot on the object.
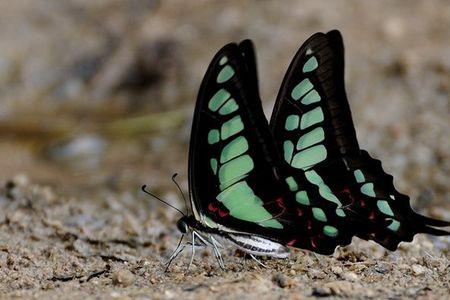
(183, 224)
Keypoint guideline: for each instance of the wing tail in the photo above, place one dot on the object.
(390, 215)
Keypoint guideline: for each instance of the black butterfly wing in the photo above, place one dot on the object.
(235, 173)
(232, 156)
(314, 132)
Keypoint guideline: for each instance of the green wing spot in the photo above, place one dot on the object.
(394, 226)
(288, 149)
(312, 97)
(225, 74)
(213, 163)
(213, 136)
(367, 189)
(292, 184)
(324, 190)
(218, 99)
(384, 207)
(243, 204)
(309, 157)
(302, 198)
(223, 60)
(314, 178)
(235, 168)
(340, 212)
(231, 127)
(359, 176)
(292, 122)
(311, 117)
(310, 65)
(330, 231)
(233, 149)
(237, 195)
(313, 137)
(301, 89)
(225, 185)
(271, 223)
(319, 214)
(229, 107)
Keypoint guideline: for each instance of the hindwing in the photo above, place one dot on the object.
(314, 131)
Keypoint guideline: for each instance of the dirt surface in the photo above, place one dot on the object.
(96, 99)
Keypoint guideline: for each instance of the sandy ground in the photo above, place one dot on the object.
(96, 99)
(53, 247)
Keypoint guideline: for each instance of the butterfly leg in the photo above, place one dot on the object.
(192, 250)
(243, 261)
(258, 261)
(217, 252)
(173, 258)
(175, 253)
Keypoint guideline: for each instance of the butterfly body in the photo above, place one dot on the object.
(249, 243)
(299, 181)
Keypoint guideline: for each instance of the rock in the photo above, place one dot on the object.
(381, 268)
(321, 292)
(336, 270)
(339, 288)
(123, 277)
(316, 274)
(418, 270)
(281, 280)
(350, 276)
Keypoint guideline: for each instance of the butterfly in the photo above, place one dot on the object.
(300, 181)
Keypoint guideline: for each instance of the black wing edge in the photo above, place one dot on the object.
(248, 52)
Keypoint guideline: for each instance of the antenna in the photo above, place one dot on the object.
(143, 188)
(181, 192)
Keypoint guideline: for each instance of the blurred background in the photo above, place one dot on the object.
(98, 95)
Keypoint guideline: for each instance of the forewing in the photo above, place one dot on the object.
(232, 156)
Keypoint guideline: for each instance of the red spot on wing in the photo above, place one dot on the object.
(212, 207)
(291, 243)
(215, 209)
(362, 203)
(280, 202)
(222, 213)
(309, 224)
(313, 242)
(299, 212)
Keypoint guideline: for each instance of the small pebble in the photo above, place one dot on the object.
(123, 277)
(418, 270)
(340, 288)
(321, 292)
(336, 270)
(281, 280)
(350, 276)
